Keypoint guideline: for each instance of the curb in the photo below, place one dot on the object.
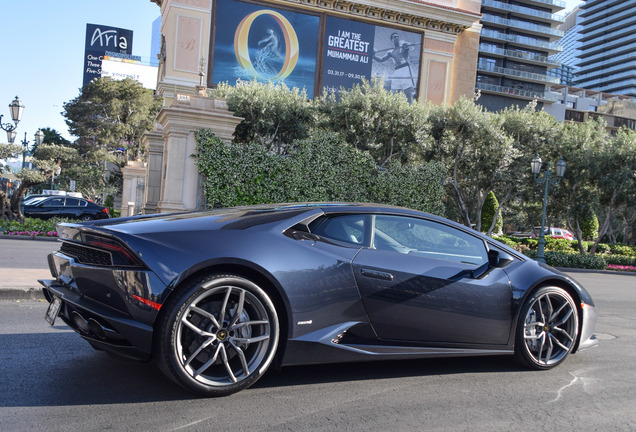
(26, 237)
(578, 270)
(21, 294)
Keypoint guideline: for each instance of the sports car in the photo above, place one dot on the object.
(217, 297)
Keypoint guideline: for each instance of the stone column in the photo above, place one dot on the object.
(153, 142)
(180, 177)
(134, 174)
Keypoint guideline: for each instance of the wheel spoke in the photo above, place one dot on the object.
(203, 346)
(241, 356)
(239, 309)
(248, 323)
(559, 344)
(227, 363)
(224, 306)
(548, 353)
(251, 340)
(208, 363)
(563, 332)
(194, 328)
(567, 317)
(206, 314)
(558, 311)
(534, 337)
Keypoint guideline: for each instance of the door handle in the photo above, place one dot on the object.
(376, 274)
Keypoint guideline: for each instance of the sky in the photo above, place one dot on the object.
(42, 55)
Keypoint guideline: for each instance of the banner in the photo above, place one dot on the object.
(99, 39)
(265, 44)
(355, 51)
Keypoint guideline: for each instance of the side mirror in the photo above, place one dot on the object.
(499, 259)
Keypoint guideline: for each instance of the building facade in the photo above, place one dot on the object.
(517, 41)
(607, 58)
(570, 45)
(426, 49)
(580, 105)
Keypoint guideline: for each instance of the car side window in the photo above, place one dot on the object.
(427, 239)
(72, 202)
(54, 202)
(345, 228)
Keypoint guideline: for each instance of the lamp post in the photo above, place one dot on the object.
(39, 137)
(560, 172)
(16, 108)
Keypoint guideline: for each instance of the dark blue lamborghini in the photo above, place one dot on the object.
(217, 297)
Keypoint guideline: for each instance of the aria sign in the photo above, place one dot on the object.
(100, 39)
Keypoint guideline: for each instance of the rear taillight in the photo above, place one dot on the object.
(105, 210)
(121, 255)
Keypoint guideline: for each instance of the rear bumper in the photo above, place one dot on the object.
(103, 327)
(105, 305)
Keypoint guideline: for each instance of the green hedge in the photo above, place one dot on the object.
(320, 168)
(31, 227)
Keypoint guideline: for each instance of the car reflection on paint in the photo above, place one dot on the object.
(217, 297)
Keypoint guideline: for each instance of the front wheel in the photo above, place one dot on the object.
(219, 336)
(548, 328)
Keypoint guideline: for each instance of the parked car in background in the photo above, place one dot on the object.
(46, 207)
(553, 232)
(561, 233)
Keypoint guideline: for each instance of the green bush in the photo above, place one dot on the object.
(488, 212)
(558, 245)
(320, 168)
(620, 260)
(31, 226)
(589, 224)
(603, 248)
(623, 250)
(532, 243)
(575, 260)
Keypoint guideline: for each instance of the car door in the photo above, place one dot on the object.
(48, 208)
(423, 280)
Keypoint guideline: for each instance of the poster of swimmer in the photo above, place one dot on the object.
(355, 51)
(264, 43)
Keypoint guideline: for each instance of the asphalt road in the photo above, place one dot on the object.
(52, 380)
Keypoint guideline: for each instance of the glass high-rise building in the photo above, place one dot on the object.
(570, 44)
(516, 43)
(607, 36)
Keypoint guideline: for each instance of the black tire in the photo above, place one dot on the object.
(548, 328)
(85, 218)
(218, 336)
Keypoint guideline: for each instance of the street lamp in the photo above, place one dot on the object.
(560, 172)
(39, 137)
(16, 108)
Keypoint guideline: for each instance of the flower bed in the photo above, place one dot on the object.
(617, 267)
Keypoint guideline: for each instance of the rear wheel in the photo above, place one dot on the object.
(548, 328)
(86, 218)
(219, 336)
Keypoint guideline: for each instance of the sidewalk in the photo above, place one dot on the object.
(22, 283)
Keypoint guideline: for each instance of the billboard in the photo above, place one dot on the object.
(264, 43)
(119, 69)
(99, 39)
(355, 51)
(255, 41)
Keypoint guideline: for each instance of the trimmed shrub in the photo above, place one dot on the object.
(488, 212)
(574, 260)
(620, 260)
(623, 250)
(320, 168)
